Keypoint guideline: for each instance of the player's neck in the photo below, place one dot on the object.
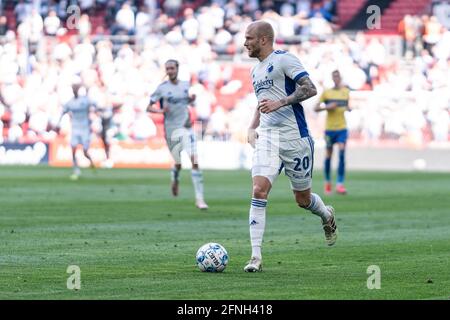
(265, 54)
(175, 81)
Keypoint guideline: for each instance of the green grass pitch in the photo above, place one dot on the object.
(132, 240)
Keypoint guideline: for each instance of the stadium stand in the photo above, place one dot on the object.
(409, 54)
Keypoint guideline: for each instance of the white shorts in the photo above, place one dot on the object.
(83, 138)
(182, 139)
(296, 156)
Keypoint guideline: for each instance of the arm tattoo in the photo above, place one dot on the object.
(305, 90)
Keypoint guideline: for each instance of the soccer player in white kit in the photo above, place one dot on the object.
(79, 108)
(173, 96)
(280, 135)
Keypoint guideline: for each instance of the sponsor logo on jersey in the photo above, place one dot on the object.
(174, 100)
(262, 85)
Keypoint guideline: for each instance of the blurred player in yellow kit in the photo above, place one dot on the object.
(335, 101)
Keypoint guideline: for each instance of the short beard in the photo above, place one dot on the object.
(254, 53)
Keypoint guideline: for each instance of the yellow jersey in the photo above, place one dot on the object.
(335, 117)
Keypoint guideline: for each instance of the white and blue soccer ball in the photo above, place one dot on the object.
(212, 257)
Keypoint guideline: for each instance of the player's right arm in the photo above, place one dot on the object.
(322, 105)
(152, 107)
(155, 97)
(252, 135)
(66, 108)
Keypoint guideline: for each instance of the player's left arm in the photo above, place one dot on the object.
(305, 90)
(349, 108)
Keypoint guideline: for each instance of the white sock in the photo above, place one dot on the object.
(318, 208)
(257, 221)
(197, 181)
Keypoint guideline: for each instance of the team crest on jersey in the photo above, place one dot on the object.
(270, 68)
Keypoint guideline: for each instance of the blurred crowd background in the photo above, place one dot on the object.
(399, 77)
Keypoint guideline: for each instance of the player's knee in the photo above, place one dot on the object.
(303, 201)
(259, 192)
(329, 153)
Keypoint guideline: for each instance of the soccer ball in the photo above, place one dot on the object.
(212, 257)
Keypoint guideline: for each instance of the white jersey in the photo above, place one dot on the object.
(176, 96)
(80, 108)
(275, 78)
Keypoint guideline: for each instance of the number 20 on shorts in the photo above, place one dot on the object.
(301, 164)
